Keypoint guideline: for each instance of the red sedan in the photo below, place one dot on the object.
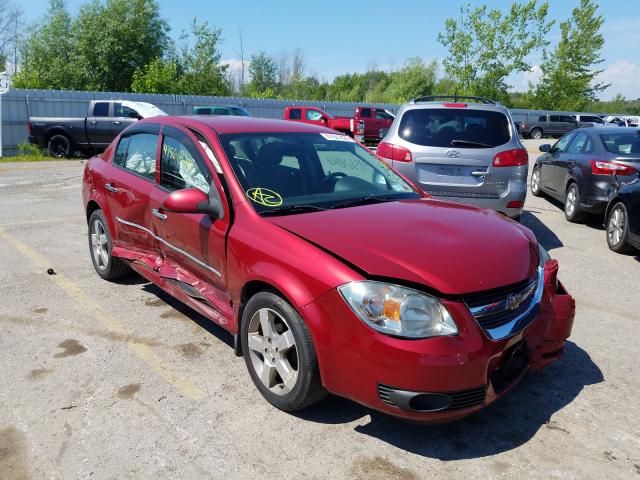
(332, 272)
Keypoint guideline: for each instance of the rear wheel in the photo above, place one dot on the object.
(100, 246)
(279, 353)
(535, 183)
(536, 133)
(618, 229)
(572, 210)
(60, 146)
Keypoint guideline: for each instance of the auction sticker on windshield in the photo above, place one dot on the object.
(337, 137)
(265, 197)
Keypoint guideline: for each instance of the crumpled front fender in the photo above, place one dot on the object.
(557, 312)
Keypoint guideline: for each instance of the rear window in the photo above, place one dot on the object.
(295, 114)
(627, 143)
(455, 127)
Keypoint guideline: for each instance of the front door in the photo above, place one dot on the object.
(192, 245)
(556, 162)
(123, 116)
(99, 125)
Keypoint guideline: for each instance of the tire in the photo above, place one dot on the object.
(283, 348)
(60, 146)
(100, 246)
(536, 133)
(572, 211)
(618, 229)
(536, 191)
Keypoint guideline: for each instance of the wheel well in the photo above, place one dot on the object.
(57, 131)
(569, 182)
(248, 291)
(614, 201)
(92, 206)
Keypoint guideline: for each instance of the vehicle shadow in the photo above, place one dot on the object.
(505, 425)
(593, 221)
(202, 321)
(544, 234)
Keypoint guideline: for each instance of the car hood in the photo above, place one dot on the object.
(451, 248)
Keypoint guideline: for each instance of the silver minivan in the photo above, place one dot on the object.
(462, 149)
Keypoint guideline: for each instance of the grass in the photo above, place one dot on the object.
(31, 158)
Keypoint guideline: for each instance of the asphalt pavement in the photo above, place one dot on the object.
(116, 380)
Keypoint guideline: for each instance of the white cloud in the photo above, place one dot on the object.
(623, 75)
(520, 81)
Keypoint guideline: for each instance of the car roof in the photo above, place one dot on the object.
(496, 107)
(232, 124)
(597, 130)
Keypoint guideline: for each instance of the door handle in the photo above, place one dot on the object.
(93, 122)
(117, 122)
(480, 173)
(159, 214)
(110, 187)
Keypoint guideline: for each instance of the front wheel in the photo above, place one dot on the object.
(618, 229)
(536, 133)
(279, 353)
(572, 210)
(536, 191)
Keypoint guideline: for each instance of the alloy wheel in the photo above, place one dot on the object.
(535, 180)
(570, 204)
(273, 351)
(615, 229)
(100, 245)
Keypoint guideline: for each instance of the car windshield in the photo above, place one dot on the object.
(146, 110)
(626, 143)
(454, 127)
(288, 173)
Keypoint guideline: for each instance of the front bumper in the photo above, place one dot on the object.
(368, 367)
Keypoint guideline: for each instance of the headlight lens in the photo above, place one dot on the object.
(544, 256)
(398, 311)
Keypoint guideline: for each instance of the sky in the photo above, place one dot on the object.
(339, 37)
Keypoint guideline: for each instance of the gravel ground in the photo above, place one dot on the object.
(109, 381)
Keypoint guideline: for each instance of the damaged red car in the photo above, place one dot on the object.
(332, 272)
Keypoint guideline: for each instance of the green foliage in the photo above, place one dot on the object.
(264, 76)
(568, 75)
(486, 46)
(159, 76)
(619, 105)
(29, 150)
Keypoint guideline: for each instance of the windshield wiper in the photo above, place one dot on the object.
(470, 143)
(364, 201)
(289, 209)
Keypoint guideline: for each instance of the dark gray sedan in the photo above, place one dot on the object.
(585, 167)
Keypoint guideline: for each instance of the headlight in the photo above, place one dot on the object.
(543, 255)
(398, 311)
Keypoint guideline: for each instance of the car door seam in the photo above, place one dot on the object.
(171, 246)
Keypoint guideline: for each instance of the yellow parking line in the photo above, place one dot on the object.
(91, 306)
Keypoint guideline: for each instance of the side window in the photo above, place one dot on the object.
(579, 141)
(123, 111)
(365, 112)
(314, 115)
(554, 118)
(542, 118)
(562, 144)
(382, 115)
(101, 109)
(179, 167)
(588, 146)
(295, 114)
(121, 151)
(568, 119)
(220, 111)
(141, 154)
(203, 111)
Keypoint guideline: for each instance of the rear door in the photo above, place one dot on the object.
(556, 125)
(570, 160)
(366, 115)
(555, 160)
(453, 150)
(128, 184)
(99, 125)
(193, 245)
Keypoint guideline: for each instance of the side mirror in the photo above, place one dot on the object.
(194, 200)
(545, 147)
(324, 119)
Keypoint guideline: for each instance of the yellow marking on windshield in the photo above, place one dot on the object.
(265, 197)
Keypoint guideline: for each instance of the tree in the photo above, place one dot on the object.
(264, 76)
(202, 72)
(414, 79)
(10, 20)
(49, 54)
(567, 73)
(485, 47)
(114, 38)
(159, 76)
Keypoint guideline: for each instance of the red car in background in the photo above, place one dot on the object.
(332, 272)
(366, 124)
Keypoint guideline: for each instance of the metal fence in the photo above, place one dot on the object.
(18, 105)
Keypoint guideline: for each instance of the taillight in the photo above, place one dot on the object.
(455, 105)
(515, 204)
(390, 151)
(30, 127)
(606, 167)
(360, 128)
(511, 158)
